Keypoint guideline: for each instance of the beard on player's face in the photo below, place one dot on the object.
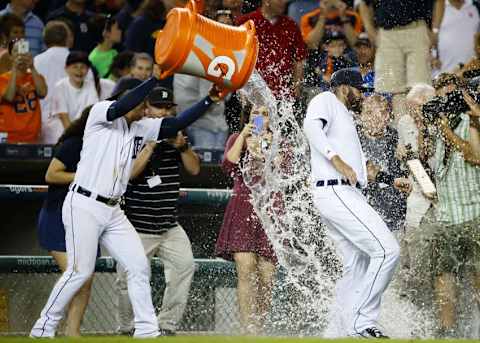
(354, 100)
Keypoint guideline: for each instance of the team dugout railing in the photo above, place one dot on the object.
(190, 196)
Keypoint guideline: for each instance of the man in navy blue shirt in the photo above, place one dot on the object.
(79, 19)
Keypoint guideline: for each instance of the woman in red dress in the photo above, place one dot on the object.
(242, 238)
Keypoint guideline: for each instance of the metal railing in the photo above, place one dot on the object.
(190, 196)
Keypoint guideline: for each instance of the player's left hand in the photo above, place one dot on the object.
(216, 93)
(157, 72)
(403, 185)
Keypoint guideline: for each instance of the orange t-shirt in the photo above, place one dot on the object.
(308, 21)
(21, 118)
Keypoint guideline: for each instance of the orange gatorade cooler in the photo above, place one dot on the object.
(192, 44)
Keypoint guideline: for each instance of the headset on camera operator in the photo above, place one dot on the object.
(454, 103)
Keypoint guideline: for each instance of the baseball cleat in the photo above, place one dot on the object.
(372, 332)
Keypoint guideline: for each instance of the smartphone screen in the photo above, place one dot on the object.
(23, 46)
(258, 124)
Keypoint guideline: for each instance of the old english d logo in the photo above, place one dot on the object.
(195, 45)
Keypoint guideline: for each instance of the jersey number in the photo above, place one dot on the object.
(25, 104)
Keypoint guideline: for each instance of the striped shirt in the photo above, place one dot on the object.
(154, 210)
(458, 182)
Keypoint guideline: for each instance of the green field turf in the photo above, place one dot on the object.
(211, 339)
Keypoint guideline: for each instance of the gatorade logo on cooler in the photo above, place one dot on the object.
(221, 66)
(195, 45)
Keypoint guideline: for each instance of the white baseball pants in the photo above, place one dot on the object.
(369, 250)
(175, 251)
(88, 222)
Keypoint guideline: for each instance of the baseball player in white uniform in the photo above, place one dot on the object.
(115, 132)
(369, 250)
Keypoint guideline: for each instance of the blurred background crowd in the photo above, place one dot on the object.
(419, 59)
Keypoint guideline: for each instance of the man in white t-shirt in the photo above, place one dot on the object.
(51, 64)
(370, 251)
(461, 21)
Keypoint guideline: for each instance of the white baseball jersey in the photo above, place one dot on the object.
(109, 148)
(369, 250)
(104, 169)
(341, 135)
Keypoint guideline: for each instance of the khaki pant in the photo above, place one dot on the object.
(175, 251)
(402, 58)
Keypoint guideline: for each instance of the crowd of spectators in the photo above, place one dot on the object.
(407, 51)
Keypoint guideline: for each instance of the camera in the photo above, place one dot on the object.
(451, 106)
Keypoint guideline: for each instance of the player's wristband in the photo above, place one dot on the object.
(329, 153)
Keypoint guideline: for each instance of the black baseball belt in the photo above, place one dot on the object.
(107, 201)
(335, 182)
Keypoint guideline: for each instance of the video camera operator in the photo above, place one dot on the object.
(448, 245)
(454, 104)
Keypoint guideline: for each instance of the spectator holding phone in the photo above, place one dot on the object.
(11, 28)
(242, 237)
(20, 91)
(322, 63)
(330, 16)
(33, 24)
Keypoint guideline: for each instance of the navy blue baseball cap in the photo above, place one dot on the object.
(161, 96)
(349, 77)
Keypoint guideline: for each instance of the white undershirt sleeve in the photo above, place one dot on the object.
(318, 139)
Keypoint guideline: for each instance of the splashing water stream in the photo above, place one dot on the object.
(309, 267)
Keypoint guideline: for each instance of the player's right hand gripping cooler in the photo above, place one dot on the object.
(192, 44)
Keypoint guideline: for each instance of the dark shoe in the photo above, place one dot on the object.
(444, 333)
(372, 332)
(127, 333)
(166, 332)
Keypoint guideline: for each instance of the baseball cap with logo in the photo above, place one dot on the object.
(161, 96)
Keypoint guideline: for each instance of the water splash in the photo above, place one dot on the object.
(281, 196)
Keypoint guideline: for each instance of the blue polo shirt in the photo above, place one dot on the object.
(33, 30)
